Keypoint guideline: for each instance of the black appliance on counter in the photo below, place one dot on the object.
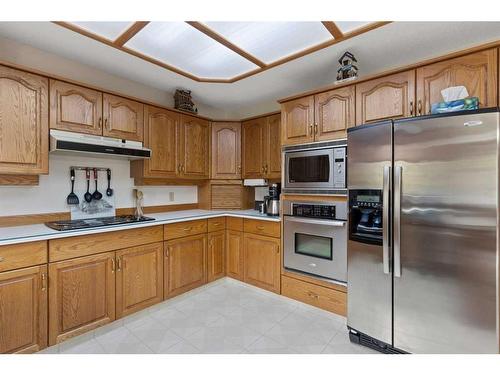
(272, 201)
(63, 225)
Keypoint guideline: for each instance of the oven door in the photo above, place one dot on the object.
(317, 247)
(311, 169)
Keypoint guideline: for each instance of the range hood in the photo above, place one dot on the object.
(68, 142)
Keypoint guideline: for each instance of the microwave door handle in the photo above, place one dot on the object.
(397, 220)
(331, 223)
(385, 218)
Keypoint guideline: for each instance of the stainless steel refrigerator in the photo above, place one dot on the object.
(423, 234)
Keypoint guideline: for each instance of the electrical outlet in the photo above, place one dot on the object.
(171, 196)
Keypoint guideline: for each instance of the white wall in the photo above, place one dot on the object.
(50, 195)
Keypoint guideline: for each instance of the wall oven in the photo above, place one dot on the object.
(315, 238)
(315, 169)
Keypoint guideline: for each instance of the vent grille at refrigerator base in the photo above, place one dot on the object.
(365, 340)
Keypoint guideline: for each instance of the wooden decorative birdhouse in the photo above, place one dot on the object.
(347, 70)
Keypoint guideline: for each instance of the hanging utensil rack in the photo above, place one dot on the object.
(78, 168)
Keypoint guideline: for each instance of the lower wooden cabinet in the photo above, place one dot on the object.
(81, 295)
(234, 254)
(216, 255)
(262, 261)
(185, 264)
(139, 278)
(23, 310)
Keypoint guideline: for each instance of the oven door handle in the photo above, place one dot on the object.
(331, 223)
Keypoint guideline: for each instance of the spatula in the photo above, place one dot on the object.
(72, 197)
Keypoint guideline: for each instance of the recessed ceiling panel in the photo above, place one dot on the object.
(181, 45)
(348, 26)
(271, 41)
(108, 30)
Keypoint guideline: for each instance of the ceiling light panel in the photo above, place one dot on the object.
(271, 41)
(108, 30)
(348, 26)
(181, 45)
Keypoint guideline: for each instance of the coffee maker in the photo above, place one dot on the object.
(272, 201)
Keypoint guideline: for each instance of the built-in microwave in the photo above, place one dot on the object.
(315, 169)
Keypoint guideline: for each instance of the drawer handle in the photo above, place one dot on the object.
(216, 224)
(187, 229)
(312, 295)
(260, 227)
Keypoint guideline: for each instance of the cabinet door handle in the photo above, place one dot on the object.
(277, 250)
(99, 124)
(411, 108)
(419, 107)
(113, 265)
(315, 128)
(106, 123)
(265, 169)
(119, 264)
(44, 281)
(310, 130)
(182, 168)
(167, 252)
(238, 168)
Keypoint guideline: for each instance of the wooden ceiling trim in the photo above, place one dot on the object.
(220, 39)
(333, 29)
(130, 32)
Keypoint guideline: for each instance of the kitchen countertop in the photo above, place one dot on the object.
(39, 232)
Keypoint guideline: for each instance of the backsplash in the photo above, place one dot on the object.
(50, 195)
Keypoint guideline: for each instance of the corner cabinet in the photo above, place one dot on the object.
(226, 150)
(216, 255)
(234, 254)
(194, 147)
(24, 123)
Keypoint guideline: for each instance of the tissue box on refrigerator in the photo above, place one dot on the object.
(455, 105)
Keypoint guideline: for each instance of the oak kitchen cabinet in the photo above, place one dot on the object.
(226, 150)
(478, 72)
(234, 248)
(194, 147)
(261, 147)
(24, 122)
(82, 110)
(321, 117)
(216, 254)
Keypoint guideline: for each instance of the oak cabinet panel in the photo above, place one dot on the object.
(216, 255)
(226, 150)
(194, 147)
(23, 310)
(253, 137)
(477, 72)
(385, 98)
(75, 108)
(24, 123)
(272, 143)
(334, 113)
(123, 118)
(139, 278)
(262, 261)
(185, 264)
(81, 295)
(234, 254)
(297, 119)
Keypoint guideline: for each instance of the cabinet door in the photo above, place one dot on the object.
(23, 310)
(139, 278)
(297, 120)
(185, 264)
(81, 295)
(334, 113)
(123, 118)
(262, 261)
(24, 123)
(273, 147)
(385, 98)
(194, 148)
(216, 255)
(75, 108)
(226, 150)
(477, 72)
(234, 254)
(161, 136)
(253, 135)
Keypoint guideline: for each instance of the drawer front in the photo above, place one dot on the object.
(186, 228)
(265, 228)
(216, 223)
(23, 255)
(324, 298)
(73, 247)
(234, 223)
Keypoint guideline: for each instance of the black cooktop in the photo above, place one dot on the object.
(96, 222)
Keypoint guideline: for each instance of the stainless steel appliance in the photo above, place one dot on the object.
(315, 238)
(64, 225)
(315, 169)
(423, 234)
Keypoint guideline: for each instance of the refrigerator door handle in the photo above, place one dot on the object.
(397, 220)
(385, 218)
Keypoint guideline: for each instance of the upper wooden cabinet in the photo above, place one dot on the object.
(194, 147)
(226, 150)
(24, 123)
(385, 98)
(297, 121)
(477, 72)
(75, 108)
(334, 113)
(123, 118)
(272, 147)
(23, 310)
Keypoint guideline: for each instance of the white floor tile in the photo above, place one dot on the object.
(122, 341)
(182, 347)
(155, 336)
(266, 345)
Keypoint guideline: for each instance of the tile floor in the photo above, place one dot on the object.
(225, 316)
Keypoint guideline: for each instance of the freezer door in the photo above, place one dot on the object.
(369, 281)
(445, 230)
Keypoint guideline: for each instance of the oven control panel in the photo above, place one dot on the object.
(313, 210)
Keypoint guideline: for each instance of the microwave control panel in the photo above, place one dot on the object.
(339, 163)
